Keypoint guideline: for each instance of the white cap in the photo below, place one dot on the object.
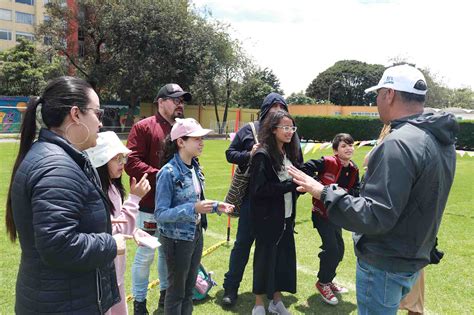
(400, 78)
(187, 127)
(108, 146)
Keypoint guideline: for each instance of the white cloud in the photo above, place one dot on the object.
(298, 39)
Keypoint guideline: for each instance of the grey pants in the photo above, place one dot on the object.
(183, 259)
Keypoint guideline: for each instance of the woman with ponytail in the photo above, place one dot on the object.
(57, 210)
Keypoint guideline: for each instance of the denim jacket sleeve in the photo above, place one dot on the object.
(166, 190)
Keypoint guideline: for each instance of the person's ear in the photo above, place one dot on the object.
(74, 113)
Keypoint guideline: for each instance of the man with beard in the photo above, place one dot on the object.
(146, 140)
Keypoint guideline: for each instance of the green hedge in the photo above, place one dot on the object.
(324, 128)
(466, 135)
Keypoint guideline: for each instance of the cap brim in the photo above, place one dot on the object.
(186, 95)
(200, 133)
(372, 89)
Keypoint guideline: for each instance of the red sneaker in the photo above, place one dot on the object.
(326, 293)
(336, 288)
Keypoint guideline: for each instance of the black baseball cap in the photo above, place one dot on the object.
(173, 90)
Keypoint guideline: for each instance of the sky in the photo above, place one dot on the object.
(298, 39)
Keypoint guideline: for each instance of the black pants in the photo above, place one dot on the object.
(332, 248)
(274, 264)
(183, 259)
(239, 256)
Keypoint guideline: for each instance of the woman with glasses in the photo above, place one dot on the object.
(273, 202)
(57, 210)
(109, 157)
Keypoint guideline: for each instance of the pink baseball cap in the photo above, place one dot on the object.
(187, 127)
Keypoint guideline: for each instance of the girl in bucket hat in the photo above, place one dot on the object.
(180, 210)
(109, 157)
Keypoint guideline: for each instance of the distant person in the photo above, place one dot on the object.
(181, 210)
(273, 204)
(406, 187)
(56, 208)
(108, 157)
(145, 140)
(337, 169)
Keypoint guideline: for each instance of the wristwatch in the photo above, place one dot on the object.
(324, 192)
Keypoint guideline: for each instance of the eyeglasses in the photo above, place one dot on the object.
(288, 128)
(121, 159)
(99, 112)
(176, 101)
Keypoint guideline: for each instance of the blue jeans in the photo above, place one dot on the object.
(379, 291)
(144, 257)
(239, 255)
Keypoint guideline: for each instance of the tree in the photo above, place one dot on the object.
(463, 98)
(25, 71)
(346, 80)
(300, 99)
(257, 83)
(133, 47)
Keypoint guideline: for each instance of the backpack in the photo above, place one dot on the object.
(204, 283)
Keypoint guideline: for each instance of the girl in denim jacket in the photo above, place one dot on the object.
(180, 210)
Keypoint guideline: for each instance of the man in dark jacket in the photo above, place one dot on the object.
(146, 140)
(398, 214)
(240, 150)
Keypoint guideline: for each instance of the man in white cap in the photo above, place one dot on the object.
(146, 141)
(398, 214)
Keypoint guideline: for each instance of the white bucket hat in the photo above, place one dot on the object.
(400, 78)
(108, 146)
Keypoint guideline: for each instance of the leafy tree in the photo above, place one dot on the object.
(463, 98)
(257, 83)
(300, 99)
(133, 47)
(346, 80)
(25, 71)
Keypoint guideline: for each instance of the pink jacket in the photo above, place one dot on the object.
(126, 212)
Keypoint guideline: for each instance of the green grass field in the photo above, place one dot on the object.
(449, 285)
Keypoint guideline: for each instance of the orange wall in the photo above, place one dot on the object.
(329, 110)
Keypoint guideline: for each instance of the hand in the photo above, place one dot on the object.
(225, 207)
(141, 188)
(255, 148)
(139, 233)
(120, 241)
(204, 206)
(306, 183)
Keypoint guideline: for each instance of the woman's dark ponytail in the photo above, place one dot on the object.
(27, 137)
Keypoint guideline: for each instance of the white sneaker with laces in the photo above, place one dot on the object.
(258, 310)
(278, 308)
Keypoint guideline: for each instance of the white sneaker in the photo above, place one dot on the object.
(258, 310)
(278, 308)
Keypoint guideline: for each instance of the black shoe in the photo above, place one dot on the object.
(139, 308)
(229, 298)
(161, 302)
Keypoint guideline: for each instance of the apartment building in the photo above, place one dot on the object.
(18, 19)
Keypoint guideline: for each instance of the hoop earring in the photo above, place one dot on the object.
(73, 138)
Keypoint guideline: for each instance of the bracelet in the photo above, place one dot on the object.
(324, 192)
(215, 206)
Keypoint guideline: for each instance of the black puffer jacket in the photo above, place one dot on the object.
(64, 231)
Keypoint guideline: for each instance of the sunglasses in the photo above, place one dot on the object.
(176, 101)
(99, 112)
(288, 128)
(120, 159)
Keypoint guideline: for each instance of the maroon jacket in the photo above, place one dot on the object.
(146, 140)
(330, 175)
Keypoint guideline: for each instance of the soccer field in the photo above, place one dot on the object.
(449, 285)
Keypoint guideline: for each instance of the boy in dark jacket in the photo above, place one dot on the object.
(342, 170)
